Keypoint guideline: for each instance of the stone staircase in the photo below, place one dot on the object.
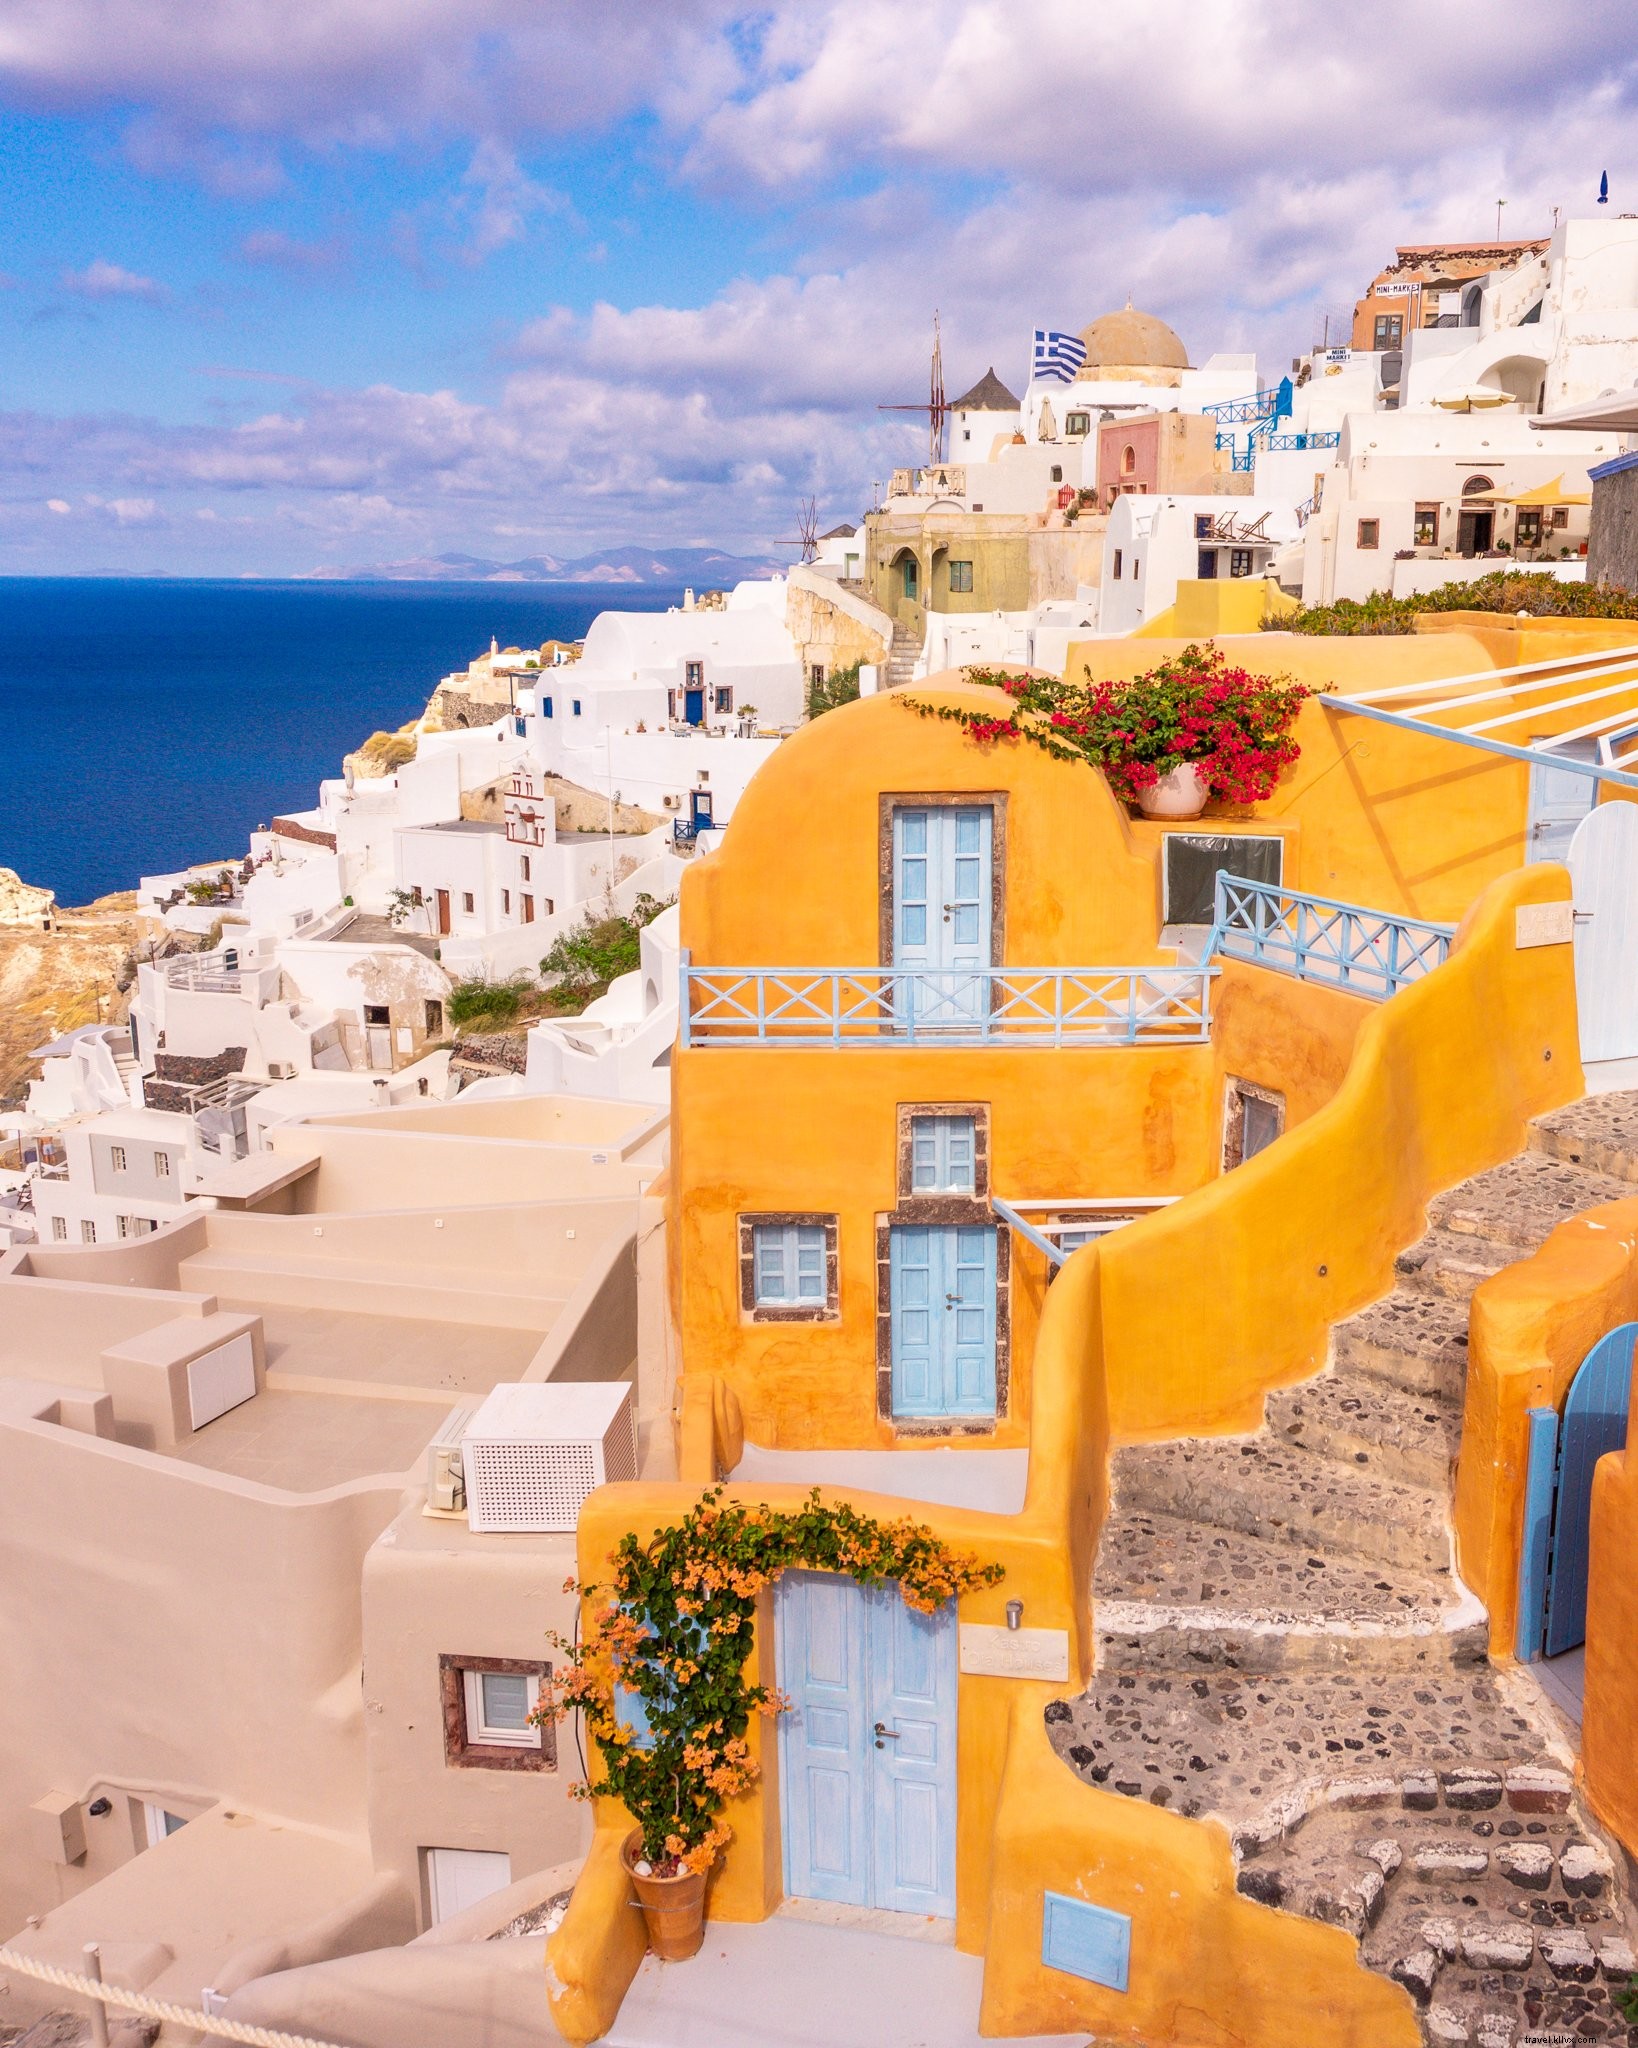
(1283, 1646)
(902, 656)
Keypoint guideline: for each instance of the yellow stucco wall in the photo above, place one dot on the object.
(1393, 819)
(1529, 1327)
(1208, 1969)
(1609, 1726)
(1208, 1305)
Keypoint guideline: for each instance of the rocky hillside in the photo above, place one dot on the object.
(51, 981)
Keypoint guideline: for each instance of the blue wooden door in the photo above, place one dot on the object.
(913, 1723)
(942, 1307)
(694, 707)
(942, 882)
(1594, 1421)
(700, 809)
(867, 1782)
(824, 1754)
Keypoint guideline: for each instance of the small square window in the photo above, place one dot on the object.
(943, 1155)
(577, 707)
(59, 1228)
(88, 1232)
(724, 697)
(506, 903)
(1239, 561)
(466, 901)
(1077, 424)
(961, 576)
(124, 1225)
(1057, 473)
(1117, 565)
(670, 703)
(1370, 531)
(788, 1267)
(524, 864)
(694, 674)
(1204, 526)
(487, 1705)
(116, 1158)
(162, 1165)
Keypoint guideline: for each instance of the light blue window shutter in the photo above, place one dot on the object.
(807, 1257)
(770, 1263)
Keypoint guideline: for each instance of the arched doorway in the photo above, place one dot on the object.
(1476, 522)
(1563, 1451)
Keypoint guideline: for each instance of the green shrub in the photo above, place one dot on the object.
(841, 686)
(1509, 591)
(597, 951)
(488, 1004)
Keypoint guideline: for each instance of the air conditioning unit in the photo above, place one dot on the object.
(671, 803)
(532, 1452)
(281, 1070)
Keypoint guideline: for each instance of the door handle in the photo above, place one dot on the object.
(885, 1734)
(952, 1301)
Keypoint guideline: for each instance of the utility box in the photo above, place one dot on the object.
(532, 1453)
(56, 1828)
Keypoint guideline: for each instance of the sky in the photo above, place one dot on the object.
(345, 282)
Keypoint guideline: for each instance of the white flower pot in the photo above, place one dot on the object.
(1180, 794)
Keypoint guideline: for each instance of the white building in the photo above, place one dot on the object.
(674, 711)
(1154, 543)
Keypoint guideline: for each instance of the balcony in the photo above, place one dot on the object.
(887, 1008)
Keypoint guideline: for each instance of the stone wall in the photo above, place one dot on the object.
(196, 1069)
(832, 629)
(1612, 543)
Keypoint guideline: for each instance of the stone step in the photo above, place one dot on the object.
(1264, 1488)
(1268, 1753)
(1417, 1342)
(1599, 1133)
(1179, 1595)
(1522, 1201)
(1355, 1419)
(1452, 1264)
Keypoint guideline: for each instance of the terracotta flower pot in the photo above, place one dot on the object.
(673, 1907)
(1179, 794)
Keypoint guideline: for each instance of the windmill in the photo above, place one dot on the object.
(938, 413)
(807, 530)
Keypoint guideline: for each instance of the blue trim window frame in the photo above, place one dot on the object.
(577, 707)
(789, 1267)
(545, 707)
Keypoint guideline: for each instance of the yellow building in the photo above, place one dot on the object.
(992, 1201)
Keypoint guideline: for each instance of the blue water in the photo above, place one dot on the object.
(149, 724)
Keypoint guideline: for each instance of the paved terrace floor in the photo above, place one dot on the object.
(789, 1983)
(307, 1442)
(389, 1351)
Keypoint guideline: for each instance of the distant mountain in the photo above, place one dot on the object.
(705, 568)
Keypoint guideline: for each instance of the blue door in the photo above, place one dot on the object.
(942, 879)
(700, 810)
(867, 1754)
(1562, 1453)
(942, 1306)
(694, 707)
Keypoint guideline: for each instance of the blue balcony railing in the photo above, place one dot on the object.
(857, 1008)
(1367, 952)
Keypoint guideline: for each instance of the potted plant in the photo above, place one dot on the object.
(1191, 729)
(660, 1672)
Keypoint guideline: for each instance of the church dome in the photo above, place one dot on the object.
(1129, 343)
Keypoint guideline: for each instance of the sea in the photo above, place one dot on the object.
(146, 724)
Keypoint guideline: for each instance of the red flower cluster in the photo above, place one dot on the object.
(1234, 726)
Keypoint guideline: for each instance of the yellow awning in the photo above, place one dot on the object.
(1478, 399)
(1543, 496)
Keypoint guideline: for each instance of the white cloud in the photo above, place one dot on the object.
(103, 280)
(60, 506)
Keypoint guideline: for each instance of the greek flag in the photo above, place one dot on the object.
(1058, 355)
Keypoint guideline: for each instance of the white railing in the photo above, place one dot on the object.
(860, 1007)
(1367, 952)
